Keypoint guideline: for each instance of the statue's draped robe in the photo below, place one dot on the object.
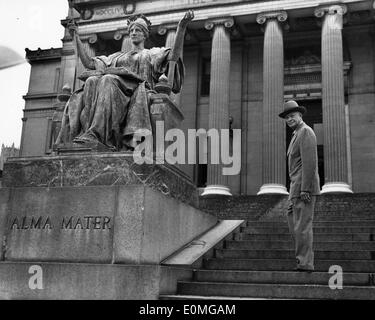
(110, 108)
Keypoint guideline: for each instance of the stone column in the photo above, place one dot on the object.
(123, 34)
(335, 151)
(218, 117)
(273, 151)
(89, 44)
(171, 31)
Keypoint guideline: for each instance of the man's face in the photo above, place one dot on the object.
(293, 119)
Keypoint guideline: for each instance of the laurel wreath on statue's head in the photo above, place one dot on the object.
(139, 16)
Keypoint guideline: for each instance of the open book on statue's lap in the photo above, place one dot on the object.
(90, 73)
(120, 71)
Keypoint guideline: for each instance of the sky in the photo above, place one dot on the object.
(24, 24)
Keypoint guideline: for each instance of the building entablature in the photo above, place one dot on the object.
(107, 18)
(113, 12)
(43, 54)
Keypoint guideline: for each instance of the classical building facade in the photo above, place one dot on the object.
(243, 59)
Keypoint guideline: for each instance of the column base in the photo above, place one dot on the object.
(336, 187)
(272, 188)
(216, 190)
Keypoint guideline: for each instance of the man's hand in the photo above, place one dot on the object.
(305, 196)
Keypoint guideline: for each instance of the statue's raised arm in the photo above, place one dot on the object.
(176, 52)
(86, 60)
(180, 34)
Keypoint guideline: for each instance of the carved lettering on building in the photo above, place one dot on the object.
(192, 2)
(109, 11)
(66, 223)
(113, 11)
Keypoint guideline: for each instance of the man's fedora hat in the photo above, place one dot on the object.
(291, 106)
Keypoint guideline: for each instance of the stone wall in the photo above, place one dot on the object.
(328, 207)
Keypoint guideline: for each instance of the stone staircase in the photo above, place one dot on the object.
(258, 262)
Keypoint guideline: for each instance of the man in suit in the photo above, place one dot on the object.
(304, 184)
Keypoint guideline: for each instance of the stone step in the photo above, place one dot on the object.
(327, 229)
(280, 277)
(317, 237)
(286, 265)
(289, 254)
(342, 216)
(327, 216)
(325, 245)
(344, 212)
(317, 223)
(285, 291)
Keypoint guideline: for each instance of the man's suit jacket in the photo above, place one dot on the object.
(303, 162)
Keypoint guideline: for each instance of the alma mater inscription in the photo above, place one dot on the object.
(66, 223)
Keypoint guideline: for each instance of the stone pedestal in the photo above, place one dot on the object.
(335, 148)
(87, 147)
(99, 224)
(84, 281)
(273, 150)
(100, 217)
(98, 169)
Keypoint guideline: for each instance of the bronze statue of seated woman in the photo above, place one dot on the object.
(114, 101)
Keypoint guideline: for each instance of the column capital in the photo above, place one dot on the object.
(120, 33)
(90, 38)
(227, 22)
(165, 28)
(281, 16)
(333, 9)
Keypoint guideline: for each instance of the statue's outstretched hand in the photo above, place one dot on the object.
(189, 15)
(72, 28)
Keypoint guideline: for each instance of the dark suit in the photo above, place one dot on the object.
(303, 173)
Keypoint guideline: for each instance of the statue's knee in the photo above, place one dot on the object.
(91, 83)
(91, 80)
(108, 79)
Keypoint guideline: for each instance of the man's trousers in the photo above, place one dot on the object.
(300, 220)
